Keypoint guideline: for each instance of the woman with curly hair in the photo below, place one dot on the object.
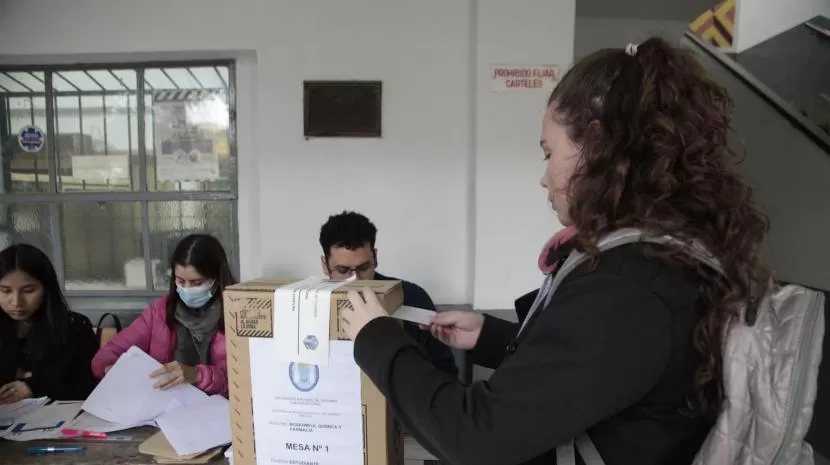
(629, 347)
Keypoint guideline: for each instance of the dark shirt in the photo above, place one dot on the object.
(439, 353)
(612, 353)
(62, 374)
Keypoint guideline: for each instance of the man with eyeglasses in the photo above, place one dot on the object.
(348, 242)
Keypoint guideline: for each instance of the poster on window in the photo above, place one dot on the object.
(185, 149)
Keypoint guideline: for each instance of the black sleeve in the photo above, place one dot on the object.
(440, 354)
(10, 351)
(70, 376)
(496, 334)
(597, 348)
(491, 348)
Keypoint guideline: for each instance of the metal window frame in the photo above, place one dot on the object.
(141, 194)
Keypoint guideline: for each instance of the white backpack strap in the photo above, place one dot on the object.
(590, 454)
(566, 453)
(614, 239)
(629, 236)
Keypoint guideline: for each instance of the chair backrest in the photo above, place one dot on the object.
(106, 333)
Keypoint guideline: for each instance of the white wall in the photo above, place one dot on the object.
(453, 183)
(758, 20)
(594, 33)
(512, 216)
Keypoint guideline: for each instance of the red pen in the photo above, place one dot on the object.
(76, 433)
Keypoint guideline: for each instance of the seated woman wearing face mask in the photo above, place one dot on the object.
(184, 330)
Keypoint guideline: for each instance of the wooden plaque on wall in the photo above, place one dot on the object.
(342, 108)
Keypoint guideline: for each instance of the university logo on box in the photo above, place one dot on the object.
(310, 342)
(304, 376)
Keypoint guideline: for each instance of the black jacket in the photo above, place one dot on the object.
(415, 296)
(61, 375)
(611, 354)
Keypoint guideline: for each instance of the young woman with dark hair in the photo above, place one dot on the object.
(184, 330)
(629, 347)
(46, 348)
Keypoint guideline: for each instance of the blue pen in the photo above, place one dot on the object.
(54, 450)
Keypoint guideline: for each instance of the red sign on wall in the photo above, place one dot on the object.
(512, 77)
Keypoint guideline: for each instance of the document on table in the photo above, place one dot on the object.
(45, 422)
(421, 316)
(89, 422)
(126, 395)
(9, 413)
(213, 418)
(314, 411)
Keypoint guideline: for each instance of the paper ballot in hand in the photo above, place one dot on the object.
(413, 314)
(126, 394)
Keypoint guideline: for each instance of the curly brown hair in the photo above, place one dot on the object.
(652, 128)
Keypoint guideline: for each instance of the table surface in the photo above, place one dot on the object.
(122, 452)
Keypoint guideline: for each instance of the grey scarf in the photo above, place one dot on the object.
(195, 331)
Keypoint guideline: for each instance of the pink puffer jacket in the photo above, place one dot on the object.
(149, 332)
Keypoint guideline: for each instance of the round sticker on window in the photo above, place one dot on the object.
(30, 139)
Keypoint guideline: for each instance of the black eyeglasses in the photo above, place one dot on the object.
(345, 270)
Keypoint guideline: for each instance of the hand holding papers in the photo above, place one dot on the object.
(191, 421)
(173, 374)
(129, 379)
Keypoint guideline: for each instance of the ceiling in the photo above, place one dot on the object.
(682, 10)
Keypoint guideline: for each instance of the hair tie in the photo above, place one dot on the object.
(631, 49)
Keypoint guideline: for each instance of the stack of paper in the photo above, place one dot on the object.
(162, 451)
(10, 413)
(44, 423)
(89, 422)
(214, 426)
(129, 379)
(126, 398)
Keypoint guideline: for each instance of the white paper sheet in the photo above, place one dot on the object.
(306, 413)
(45, 422)
(89, 422)
(126, 395)
(414, 314)
(197, 427)
(302, 318)
(9, 413)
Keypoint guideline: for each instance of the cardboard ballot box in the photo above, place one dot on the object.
(249, 318)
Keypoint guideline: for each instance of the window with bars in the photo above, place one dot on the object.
(106, 168)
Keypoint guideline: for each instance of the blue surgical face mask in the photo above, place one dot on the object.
(195, 297)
